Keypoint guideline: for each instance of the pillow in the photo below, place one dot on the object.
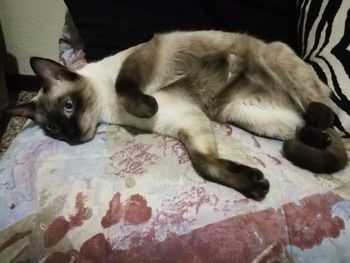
(108, 26)
(324, 38)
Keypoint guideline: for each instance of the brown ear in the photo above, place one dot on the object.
(25, 109)
(50, 71)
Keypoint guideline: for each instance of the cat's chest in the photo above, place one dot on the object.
(110, 111)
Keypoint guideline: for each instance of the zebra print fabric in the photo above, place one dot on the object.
(324, 39)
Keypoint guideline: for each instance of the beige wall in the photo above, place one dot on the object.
(29, 28)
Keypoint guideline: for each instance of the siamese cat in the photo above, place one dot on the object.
(177, 84)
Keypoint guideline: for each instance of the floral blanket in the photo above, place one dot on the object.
(127, 196)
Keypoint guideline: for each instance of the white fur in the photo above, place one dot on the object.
(262, 118)
(176, 113)
(102, 76)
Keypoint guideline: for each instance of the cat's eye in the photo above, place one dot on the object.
(51, 127)
(68, 105)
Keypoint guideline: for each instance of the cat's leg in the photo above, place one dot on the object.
(135, 73)
(270, 101)
(318, 118)
(317, 147)
(270, 115)
(260, 116)
(182, 118)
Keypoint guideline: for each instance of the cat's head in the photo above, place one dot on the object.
(66, 105)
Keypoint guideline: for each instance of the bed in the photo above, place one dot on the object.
(128, 196)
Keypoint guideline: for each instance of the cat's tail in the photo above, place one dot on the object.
(331, 159)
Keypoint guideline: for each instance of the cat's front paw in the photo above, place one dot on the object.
(249, 181)
(244, 179)
(142, 106)
(255, 186)
(148, 107)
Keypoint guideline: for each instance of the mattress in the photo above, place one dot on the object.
(130, 196)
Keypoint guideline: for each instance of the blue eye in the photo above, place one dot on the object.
(68, 105)
(51, 127)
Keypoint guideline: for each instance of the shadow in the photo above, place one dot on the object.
(8, 96)
(10, 65)
(9, 61)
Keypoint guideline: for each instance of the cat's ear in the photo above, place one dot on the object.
(25, 109)
(50, 71)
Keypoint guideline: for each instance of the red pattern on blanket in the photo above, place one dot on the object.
(260, 235)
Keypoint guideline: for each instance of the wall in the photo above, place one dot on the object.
(29, 28)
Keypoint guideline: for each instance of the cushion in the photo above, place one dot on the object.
(324, 39)
(109, 26)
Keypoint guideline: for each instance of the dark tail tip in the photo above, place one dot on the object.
(313, 159)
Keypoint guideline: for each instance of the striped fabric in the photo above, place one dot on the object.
(324, 39)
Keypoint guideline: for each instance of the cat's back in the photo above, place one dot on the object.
(197, 42)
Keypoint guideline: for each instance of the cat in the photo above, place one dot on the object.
(177, 84)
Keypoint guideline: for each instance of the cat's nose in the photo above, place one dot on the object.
(72, 130)
(74, 142)
(72, 135)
